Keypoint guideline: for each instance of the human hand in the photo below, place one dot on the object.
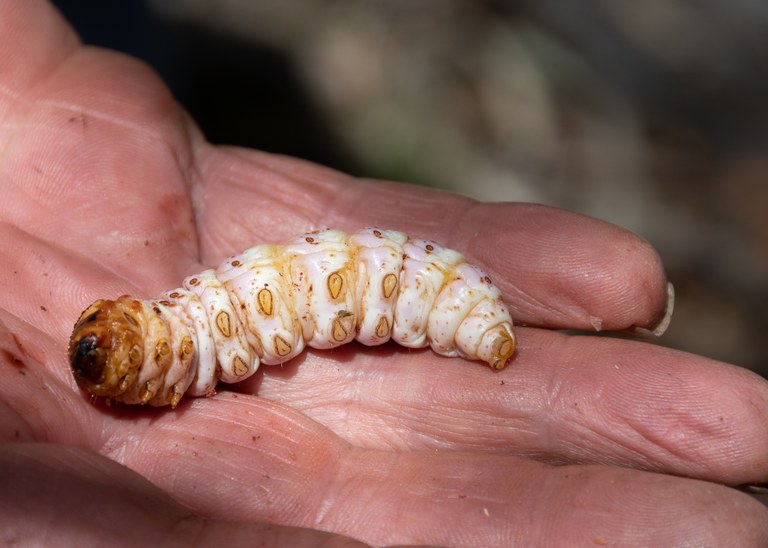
(108, 189)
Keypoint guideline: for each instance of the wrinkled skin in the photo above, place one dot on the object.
(108, 188)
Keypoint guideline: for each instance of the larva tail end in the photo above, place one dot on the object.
(503, 347)
(105, 350)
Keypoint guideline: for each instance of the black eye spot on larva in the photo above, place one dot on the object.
(88, 358)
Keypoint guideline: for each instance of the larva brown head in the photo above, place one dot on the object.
(105, 351)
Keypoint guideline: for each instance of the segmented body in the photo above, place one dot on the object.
(321, 289)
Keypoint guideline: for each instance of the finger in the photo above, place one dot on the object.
(53, 494)
(250, 459)
(34, 39)
(564, 399)
(594, 291)
(556, 269)
(96, 153)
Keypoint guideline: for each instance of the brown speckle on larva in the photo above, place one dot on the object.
(260, 307)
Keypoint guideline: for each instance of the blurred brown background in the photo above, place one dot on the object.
(651, 115)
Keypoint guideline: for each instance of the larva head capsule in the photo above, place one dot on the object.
(106, 349)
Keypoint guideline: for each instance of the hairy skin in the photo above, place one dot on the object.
(108, 189)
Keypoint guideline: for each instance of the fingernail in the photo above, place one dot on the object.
(662, 325)
(754, 488)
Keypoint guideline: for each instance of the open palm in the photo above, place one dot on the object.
(107, 188)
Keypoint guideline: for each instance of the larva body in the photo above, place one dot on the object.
(321, 289)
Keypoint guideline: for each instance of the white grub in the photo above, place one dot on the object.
(321, 289)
